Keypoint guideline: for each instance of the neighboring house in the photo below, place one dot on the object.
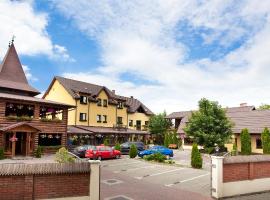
(27, 121)
(99, 112)
(242, 117)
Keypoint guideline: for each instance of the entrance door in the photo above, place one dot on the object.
(20, 144)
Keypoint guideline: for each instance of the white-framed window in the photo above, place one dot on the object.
(104, 118)
(105, 102)
(99, 118)
(83, 99)
(83, 117)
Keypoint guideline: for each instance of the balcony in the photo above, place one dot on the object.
(120, 126)
(19, 112)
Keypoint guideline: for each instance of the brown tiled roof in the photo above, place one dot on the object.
(74, 88)
(31, 99)
(12, 75)
(254, 120)
(103, 130)
(178, 115)
(134, 104)
(43, 168)
(12, 126)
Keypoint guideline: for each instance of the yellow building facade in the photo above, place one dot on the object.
(97, 106)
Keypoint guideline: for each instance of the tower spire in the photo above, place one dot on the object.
(11, 41)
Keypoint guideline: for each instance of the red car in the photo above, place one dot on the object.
(102, 152)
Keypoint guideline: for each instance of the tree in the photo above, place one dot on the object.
(265, 137)
(174, 138)
(209, 125)
(245, 142)
(264, 107)
(196, 159)
(158, 126)
(62, 156)
(117, 146)
(133, 151)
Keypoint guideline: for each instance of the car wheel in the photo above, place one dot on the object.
(99, 158)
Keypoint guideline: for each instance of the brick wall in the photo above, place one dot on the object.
(245, 171)
(30, 187)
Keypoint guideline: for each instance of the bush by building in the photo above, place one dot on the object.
(133, 151)
(117, 146)
(245, 142)
(62, 156)
(265, 137)
(196, 159)
(38, 152)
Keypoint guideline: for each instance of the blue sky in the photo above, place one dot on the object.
(168, 54)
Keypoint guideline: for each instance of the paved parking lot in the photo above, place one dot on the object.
(137, 179)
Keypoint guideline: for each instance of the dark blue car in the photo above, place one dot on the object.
(155, 149)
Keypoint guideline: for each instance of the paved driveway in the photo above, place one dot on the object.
(140, 180)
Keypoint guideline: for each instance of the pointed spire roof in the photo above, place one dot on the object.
(12, 75)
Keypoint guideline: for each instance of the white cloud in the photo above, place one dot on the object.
(20, 19)
(139, 38)
(28, 74)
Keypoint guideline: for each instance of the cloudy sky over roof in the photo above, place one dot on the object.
(168, 54)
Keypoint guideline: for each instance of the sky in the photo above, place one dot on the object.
(168, 54)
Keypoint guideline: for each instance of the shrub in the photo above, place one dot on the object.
(2, 156)
(166, 141)
(245, 142)
(38, 152)
(133, 151)
(156, 157)
(196, 159)
(106, 142)
(234, 150)
(117, 146)
(266, 141)
(210, 150)
(62, 156)
(179, 143)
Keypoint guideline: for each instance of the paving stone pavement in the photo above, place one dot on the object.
(260, 196)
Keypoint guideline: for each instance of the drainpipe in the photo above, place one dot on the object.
(76, 112)
(88, 112)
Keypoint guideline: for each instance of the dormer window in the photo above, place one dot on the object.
(99, 102)
(83, 99)
(120, 105)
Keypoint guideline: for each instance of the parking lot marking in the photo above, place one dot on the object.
(108, 165)
(156, 174)
(186, 180)
(133, 169)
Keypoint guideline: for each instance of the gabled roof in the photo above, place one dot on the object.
(241, 117)
(76, 88)
(134, 104)
(19, 124)
(12, 75)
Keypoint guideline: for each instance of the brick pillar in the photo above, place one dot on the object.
(28, 187)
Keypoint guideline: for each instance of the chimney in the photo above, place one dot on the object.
(131, 97)
(243, 104)
(113, 91)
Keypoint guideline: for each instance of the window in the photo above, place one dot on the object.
(104, 118)
(105, 103)
(130, 122)
(99, 118)
(82, 116)
(83, 99)
(258, 143)
(45, 139)
(146, 123)
(99, 102)
(119, 120)
(19, 110)
(50, 113)
(120, 105)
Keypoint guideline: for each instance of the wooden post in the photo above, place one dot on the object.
(13, 145)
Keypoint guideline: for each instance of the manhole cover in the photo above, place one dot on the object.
(120, 197)
(111, 181)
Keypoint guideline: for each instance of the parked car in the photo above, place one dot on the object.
(155, 149)
(80, 150)
(125, 147)
(102, 152)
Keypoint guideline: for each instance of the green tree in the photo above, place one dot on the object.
(166, 141)
(265, 137)
(175, 139)
(158, 126)
(133, 151)
(196, 158)
(62, 156)
(264, 107)
(209, 125)
(106, 142)
(245, 142)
